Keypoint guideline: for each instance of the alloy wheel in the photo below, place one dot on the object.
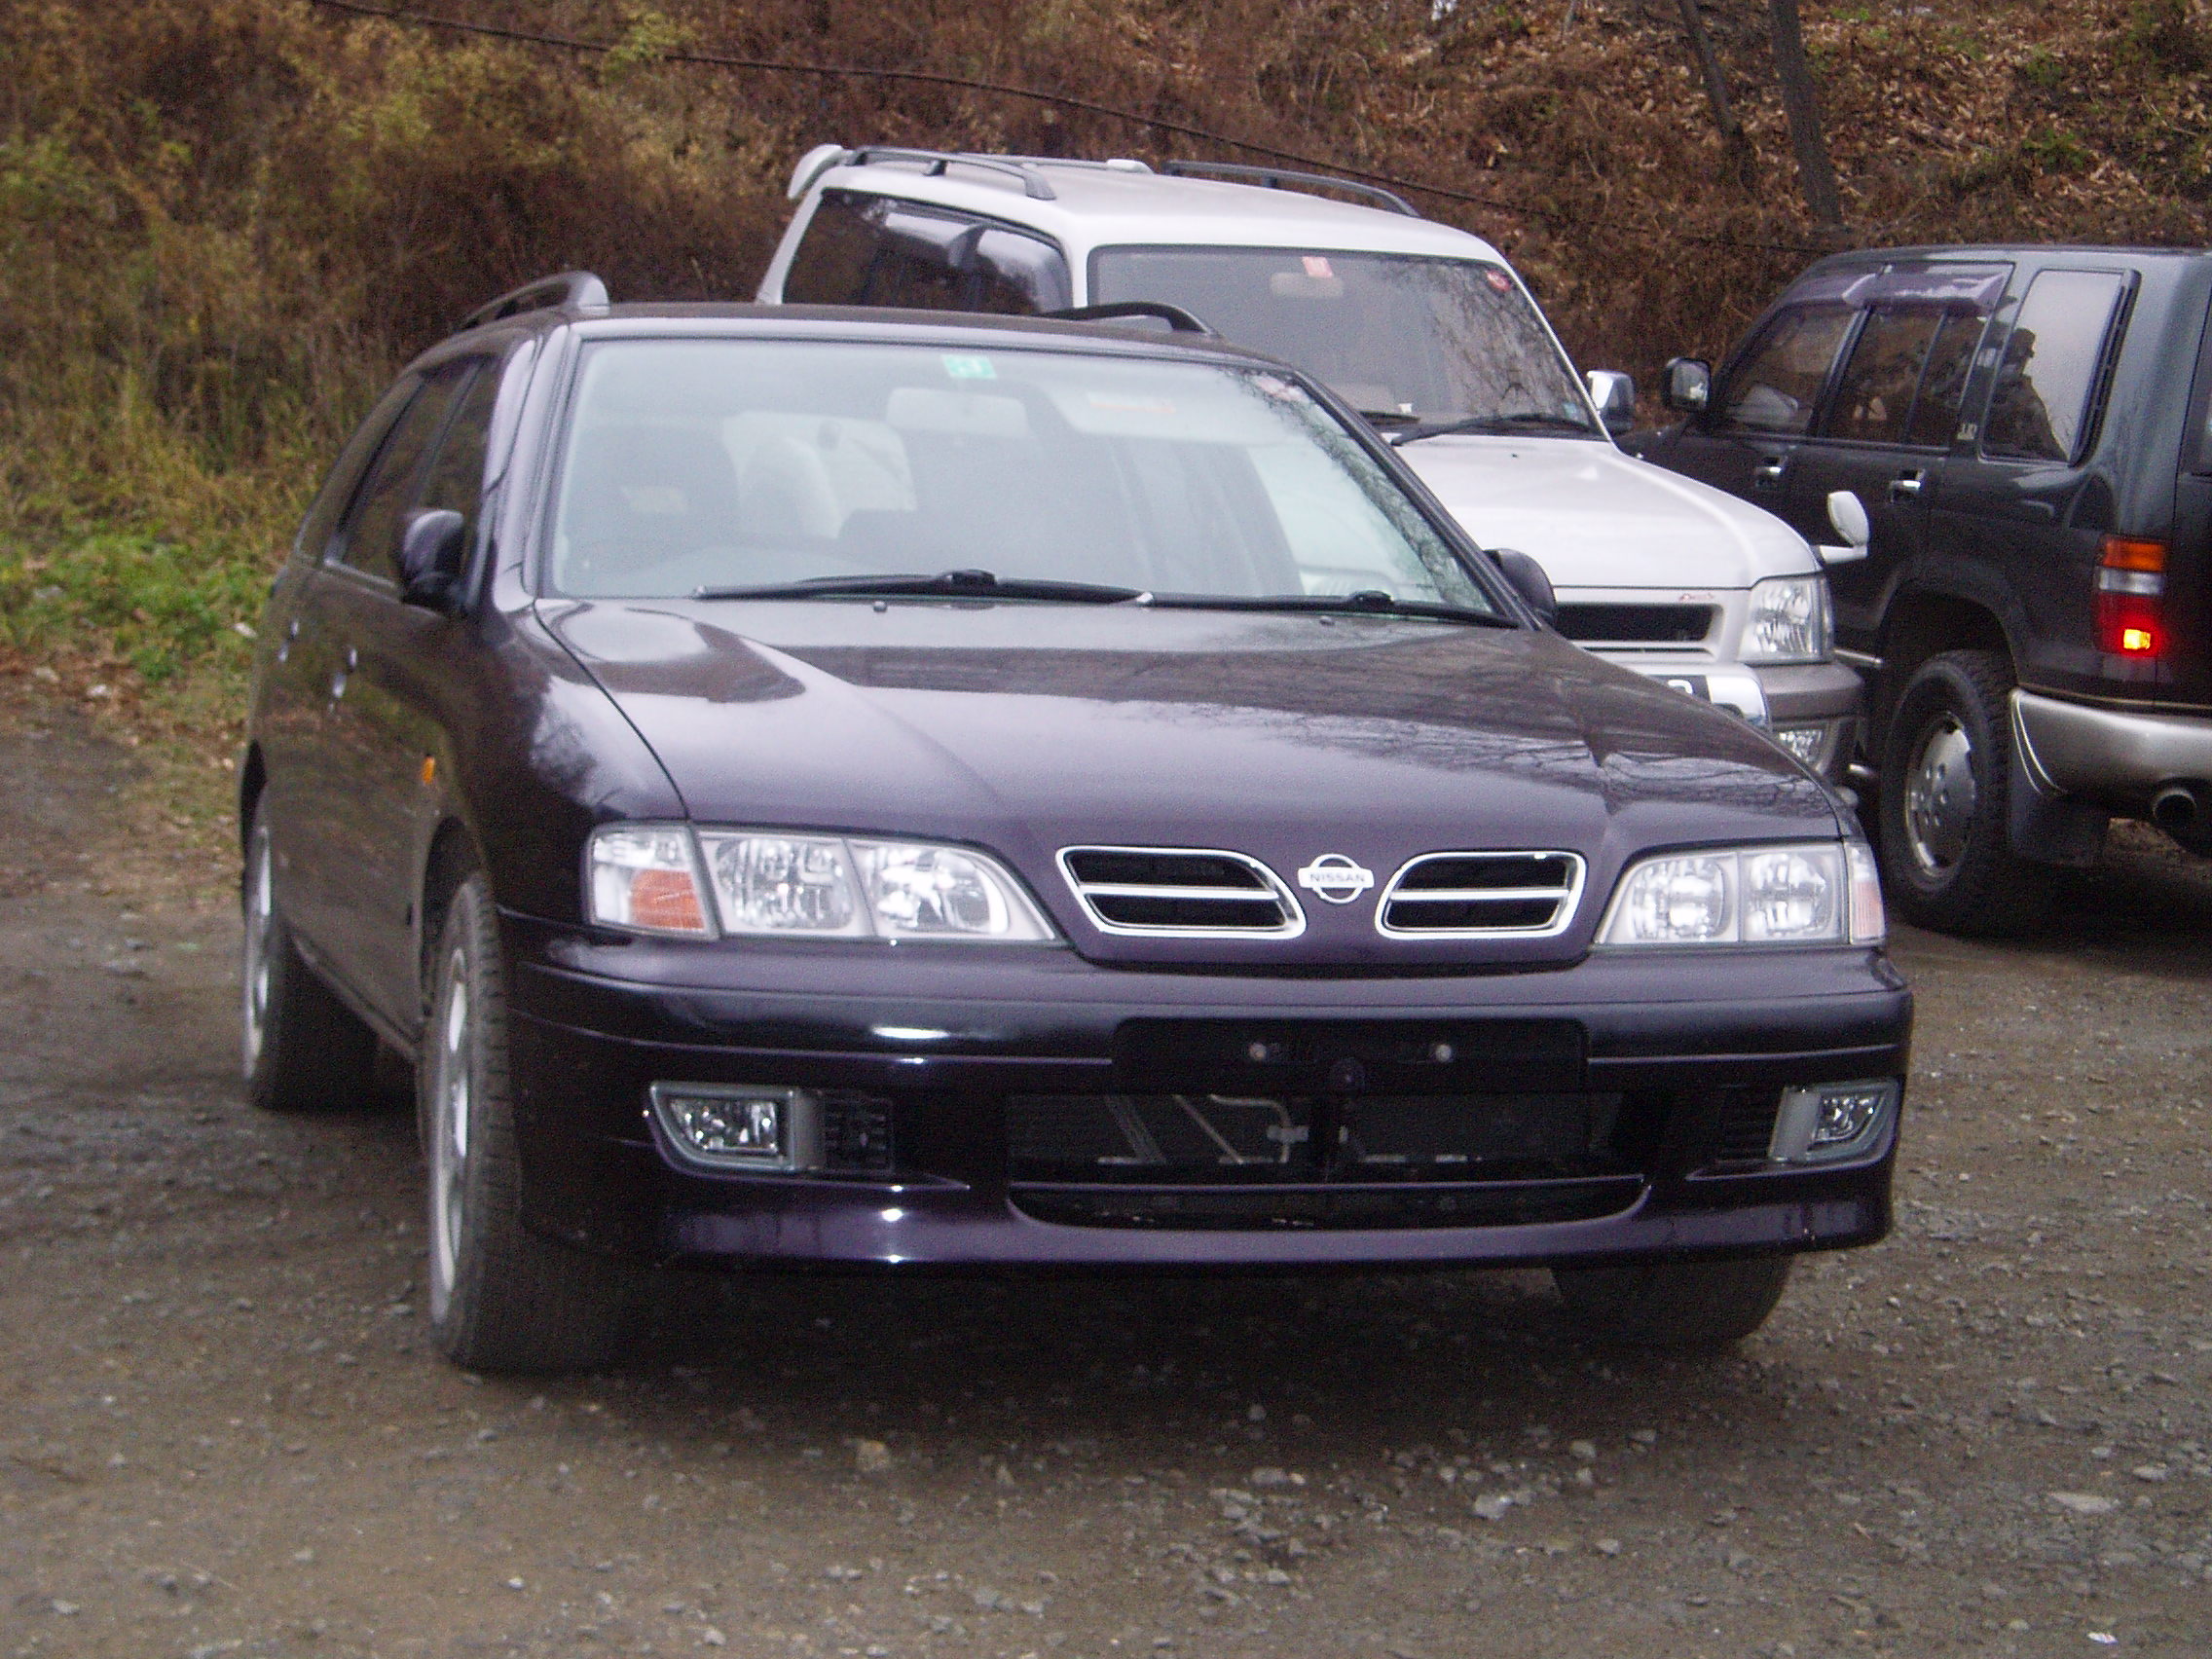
(452, 1100)
(254, 973)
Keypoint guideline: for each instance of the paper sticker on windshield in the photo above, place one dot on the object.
(1316, 265)
(970, 368)
(1500, 280)
(1275, 386)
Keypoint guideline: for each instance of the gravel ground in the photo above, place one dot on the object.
(224, 1430)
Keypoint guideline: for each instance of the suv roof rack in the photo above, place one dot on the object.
(576, 290)
(1274, 178)
(1033, 183)
(1178, 321)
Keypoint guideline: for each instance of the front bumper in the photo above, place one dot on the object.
(2114, 757)
(1676, 1057)
(1815, 708)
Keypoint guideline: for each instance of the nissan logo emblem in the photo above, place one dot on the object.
(1336, 879)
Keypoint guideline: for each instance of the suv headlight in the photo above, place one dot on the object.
(1804, 893)
(1789, 621)
(763, 882)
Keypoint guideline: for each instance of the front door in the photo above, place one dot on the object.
(1762, 412)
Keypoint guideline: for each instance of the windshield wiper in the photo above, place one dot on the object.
(952, 584)
(1369, 601)
(1523, 423)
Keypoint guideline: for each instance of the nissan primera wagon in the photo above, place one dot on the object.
(946, 792)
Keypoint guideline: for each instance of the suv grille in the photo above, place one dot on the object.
(1472, 895)
(1180, 891)
(1636, 624)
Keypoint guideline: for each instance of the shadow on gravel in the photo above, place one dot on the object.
(1257, 1369)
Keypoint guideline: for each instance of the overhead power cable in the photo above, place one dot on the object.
(963, 83)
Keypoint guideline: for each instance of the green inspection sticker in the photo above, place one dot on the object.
(970, 368)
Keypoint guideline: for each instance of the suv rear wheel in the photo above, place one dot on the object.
(1674, 1304)
(1947, 859)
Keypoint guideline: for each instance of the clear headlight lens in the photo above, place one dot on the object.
(1808, 893)
(1789, 620)
(646, 878)
(657, 879)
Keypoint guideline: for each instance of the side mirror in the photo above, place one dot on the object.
(1614, 395)
(1848, 514)
(1685, 385)
(1530, 582)
(434, 545)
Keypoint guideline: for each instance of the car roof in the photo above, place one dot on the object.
(1986, 252)
(877, 324)
(1093, 205)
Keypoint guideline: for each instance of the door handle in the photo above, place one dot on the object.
(1907, 484)
(1770, 471)
(338, 680)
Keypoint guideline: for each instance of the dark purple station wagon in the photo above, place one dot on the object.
(937, 793)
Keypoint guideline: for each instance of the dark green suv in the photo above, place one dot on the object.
(2018, 439)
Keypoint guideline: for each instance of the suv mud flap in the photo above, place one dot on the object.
(2042, 823)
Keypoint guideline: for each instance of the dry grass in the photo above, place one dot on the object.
(223, 223)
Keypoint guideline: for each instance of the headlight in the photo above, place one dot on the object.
(1806, 893)
(1789, 620)
(767, 883)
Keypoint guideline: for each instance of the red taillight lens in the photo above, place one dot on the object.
(2131, 587)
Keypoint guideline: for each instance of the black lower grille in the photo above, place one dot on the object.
(856, 1131)
(1745, 1125)
(1210, 1139)
(1636, 624)
(1292, 1208)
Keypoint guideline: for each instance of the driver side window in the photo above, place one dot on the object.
(1776, 387)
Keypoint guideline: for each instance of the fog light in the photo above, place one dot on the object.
(732, 1127)
(1809, 743)
(1832, 1122)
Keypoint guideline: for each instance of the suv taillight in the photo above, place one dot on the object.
(2131, 588)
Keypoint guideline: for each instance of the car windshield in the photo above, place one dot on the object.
(1437, 339)
(714, 465)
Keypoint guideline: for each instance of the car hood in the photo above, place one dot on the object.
(1596, 518)
(1024, 729)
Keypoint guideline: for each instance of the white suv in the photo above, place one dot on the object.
(1423, 328)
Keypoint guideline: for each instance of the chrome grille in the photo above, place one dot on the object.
(1482, 895)
(1180, 891)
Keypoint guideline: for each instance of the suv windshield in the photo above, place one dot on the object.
(708, 464)
(1433, 340)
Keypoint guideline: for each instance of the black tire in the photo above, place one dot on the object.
(1674, 1304)
(503, 1297)
(1946, 853)
(301, 1048)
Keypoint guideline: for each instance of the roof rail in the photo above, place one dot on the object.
(1178, 321)
(1274, 178)
(1033, 182)
(574, 291)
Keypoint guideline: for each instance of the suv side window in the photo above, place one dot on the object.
(1943, 381)
(869, 250)
(2039, 409)
(1873, 401)
(1776, 385)
(366, 542)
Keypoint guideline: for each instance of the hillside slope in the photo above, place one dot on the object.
(223, 222)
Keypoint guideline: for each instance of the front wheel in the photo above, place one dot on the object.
(1674, 1304)
(503, 1297)
(301, 1048)
(1947, 858)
